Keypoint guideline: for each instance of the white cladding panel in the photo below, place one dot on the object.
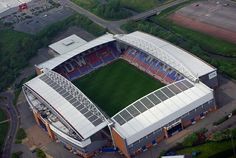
(164, 112)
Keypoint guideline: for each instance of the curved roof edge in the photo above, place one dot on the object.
(168, 53)
(74, 106)
(76, 92)
(135, 126)
(52, 63)
(183, 85)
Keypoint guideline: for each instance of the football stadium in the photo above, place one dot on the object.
(123, 93)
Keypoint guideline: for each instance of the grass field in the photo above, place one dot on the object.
(115, 86)
(208, 149)
(3, 128)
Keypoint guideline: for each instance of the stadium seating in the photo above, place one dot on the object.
(106, 56)
(115, 52)
(69, 67)
(151, 65)
(86, 62)
(97, 57)
(171, 76)
(93, 59)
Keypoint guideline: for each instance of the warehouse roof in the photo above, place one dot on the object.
(67, 44)
(159, 108)
(69, 102)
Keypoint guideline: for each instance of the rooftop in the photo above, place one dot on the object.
(54, 62)
(67, 44)
(183, 61)
(69, 102)
(160, 107)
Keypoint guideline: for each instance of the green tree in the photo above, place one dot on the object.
(220, 136)
(190, 140)
(40, 153)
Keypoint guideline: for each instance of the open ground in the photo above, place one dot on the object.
(117, 85)
(211, 17)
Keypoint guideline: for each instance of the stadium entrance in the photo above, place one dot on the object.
(174, 128)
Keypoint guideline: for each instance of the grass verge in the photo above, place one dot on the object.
(20, 135)
(208, 149)
(3, 128)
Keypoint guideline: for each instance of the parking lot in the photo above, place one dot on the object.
(38, 22)
(37, 16)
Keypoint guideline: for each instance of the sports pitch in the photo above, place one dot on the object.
(116, 85)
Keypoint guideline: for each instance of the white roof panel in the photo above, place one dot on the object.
(179, 59)
(69, 112)
(52, 63)
(164, 112)
(196, 65)
(67, 44)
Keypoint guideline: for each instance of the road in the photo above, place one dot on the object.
(14, 120)
(114, 26)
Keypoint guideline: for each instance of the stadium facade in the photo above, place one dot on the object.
(70, 117)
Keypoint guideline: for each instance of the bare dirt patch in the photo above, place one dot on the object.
(37, 137)
(203, 27)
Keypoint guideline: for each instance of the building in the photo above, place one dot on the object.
(66, 45)
(73, 119)
(8, 4)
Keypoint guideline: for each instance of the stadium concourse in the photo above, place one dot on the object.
(73, 119)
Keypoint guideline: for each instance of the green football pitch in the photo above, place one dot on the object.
(116, 85)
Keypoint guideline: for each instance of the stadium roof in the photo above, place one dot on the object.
(7, 4)
(69, 102)
(187, 64)
(52, 63)
(159, 108)
(67, 44)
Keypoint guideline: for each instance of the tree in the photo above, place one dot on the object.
(17, 154)
(40, 153)
(190, 140)
(219, 136)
